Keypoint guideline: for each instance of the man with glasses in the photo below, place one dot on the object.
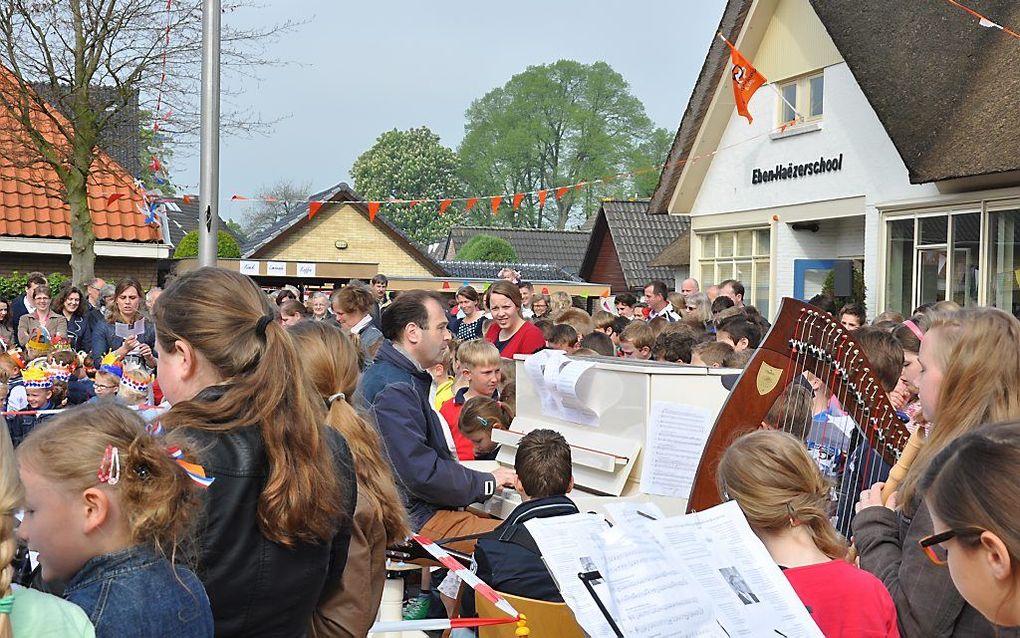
(94, 290)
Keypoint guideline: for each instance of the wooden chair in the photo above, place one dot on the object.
(545, 620)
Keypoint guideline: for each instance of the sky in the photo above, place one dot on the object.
(357, 69)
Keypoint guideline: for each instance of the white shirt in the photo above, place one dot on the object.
(666, 313)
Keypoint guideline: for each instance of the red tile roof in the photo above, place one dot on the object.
(31, 203)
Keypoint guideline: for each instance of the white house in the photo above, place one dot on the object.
(906, 158)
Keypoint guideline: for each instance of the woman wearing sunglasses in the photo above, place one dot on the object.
(970, 376)
(972, 493)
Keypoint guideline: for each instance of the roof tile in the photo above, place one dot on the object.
(27, 209)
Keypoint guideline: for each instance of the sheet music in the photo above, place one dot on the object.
(556, 380)
(571, 545)
(632, 512)
(126, 330)
(649, 600)
(676, 438)
(750, 592)
(568, 380)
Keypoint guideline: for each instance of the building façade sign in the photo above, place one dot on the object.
(792, 171)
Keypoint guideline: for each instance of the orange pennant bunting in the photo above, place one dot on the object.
(471, 203)
(239, 198)
(746, 80)
(415, 202)
(443, 205)
(561, 191)
(313, 207)
(186, 199)
(517, 200)
(113, 197)
(495, 202)
(373, 209)
(541, 200)
(578, 186)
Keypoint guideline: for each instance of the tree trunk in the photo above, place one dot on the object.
(83, 238)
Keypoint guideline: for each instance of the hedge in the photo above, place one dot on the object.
(227, 247)
(13, 286)
(487, 248)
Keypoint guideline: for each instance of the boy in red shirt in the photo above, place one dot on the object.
(480, 365)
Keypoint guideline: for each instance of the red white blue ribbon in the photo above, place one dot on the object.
(194, 471)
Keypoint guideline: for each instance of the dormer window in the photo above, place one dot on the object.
(806, 94)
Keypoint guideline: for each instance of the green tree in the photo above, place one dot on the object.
(235, 228)
(487, 248)
(226, 246)
(405, 165)
(556, 125)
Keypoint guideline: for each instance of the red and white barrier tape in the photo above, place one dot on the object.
(472, 581)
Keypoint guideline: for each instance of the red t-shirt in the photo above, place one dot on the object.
(527, 340)
(844, 600)
(451, 412)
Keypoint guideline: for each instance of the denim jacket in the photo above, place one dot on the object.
(135, 593)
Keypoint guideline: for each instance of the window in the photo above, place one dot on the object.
(742, 255)
(966, 256)
(806, 94)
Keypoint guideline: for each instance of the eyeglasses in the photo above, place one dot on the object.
(691, 308)
(102, 386)
(932, 545)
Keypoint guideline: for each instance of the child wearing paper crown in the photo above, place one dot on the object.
(108, 376)
(107, 506)
(135, 386)
(39, 391)
(12, 364)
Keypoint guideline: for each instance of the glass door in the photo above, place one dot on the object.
(931, 265)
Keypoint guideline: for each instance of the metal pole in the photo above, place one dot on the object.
(209, 188)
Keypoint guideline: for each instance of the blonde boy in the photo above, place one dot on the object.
(481, 370)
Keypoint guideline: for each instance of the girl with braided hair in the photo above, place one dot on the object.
(107, 506)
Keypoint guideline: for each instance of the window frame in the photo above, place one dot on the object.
(802, 103)
(760, 254)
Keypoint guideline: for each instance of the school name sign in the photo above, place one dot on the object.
(794, 171)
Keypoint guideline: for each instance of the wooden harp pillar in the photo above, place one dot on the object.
(802, 339)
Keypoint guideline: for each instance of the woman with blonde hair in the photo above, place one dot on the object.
(785, 499)
(697, 309)
(27, 612)
(330, 359)
(970, 376)
(278, 518)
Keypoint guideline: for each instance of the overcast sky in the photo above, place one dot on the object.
(361, 68)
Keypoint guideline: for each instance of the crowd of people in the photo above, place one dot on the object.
(219, 459)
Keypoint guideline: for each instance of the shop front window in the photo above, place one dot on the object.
(966, 253)
(899, 289)
(1004, 260)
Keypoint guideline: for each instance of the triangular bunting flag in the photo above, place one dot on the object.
(466, 283)
(443, 205)
(470, 203)
(186, 199)
(605, 293)
(415, 202)
(541, 198)
(373, 209)
(584, 295)
(496, 201)
(239, 198)
(578, 186)
(561, 191)
(113, 197)
(517, 200)
(545, 291)
(313, 207)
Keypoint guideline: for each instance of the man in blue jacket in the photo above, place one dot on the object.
(395, 389)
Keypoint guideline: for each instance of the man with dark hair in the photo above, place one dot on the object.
(395, 390)
(655, 296)
(734, 290)
(379, 285)
(23, 305)
(600, 342)
(508, 559)
(625, 303)
(527, 292)
(673, 346)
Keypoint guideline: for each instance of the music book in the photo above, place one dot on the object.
(703, 574)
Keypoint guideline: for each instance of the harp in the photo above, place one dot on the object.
(802, 339)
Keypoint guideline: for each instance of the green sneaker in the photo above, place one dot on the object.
(418, 608)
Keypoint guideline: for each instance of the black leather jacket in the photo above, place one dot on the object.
(259, 588)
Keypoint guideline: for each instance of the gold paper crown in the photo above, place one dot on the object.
(37, 377)
(37, 343)
(136, 379)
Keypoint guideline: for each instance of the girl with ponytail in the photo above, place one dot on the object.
(330, 360)
(107, 506)
(785, 499)
(278, 518)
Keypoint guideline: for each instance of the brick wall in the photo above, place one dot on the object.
(109, 268)
(366, 242)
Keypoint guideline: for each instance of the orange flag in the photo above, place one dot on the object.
(112, 197)
(313, 207)
(470, 203)
(496, 201)
(443, 205)
(186, 199)
(415, 202)
(541, 200)
(517, 200)
(561, 191)
(746, 80)
(373, 209)
(239, 198)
